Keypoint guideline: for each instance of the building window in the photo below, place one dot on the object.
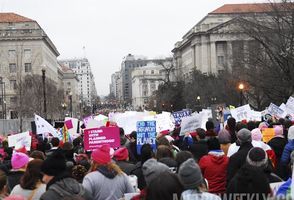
(12, 67)
(221, 60)
(12, 84)
(28, 67)
(27, 53)
(13, 100)
(144, 72)
(11, 53)
(68, 83)
(152, 71)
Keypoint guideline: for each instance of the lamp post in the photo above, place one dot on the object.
(241, 88)
(70, 103)
(63, 105)
(44, 92)
(2, 99)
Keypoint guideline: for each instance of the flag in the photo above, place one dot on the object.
(65, 133)
(43, 127)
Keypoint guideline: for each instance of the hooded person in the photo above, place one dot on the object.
(214, 167)
(19, 163)
(106, 180)
(121, 157)
(278, 144)
(238, 159)
(285, 159)
(59, 184)
(193, 182)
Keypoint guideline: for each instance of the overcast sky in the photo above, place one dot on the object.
(110, 29)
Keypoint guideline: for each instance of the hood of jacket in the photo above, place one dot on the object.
(68, 187)
(109, 173)
(217, 156)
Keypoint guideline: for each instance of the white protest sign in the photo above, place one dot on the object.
(190, 123)
(20, 140)
(275, 110)
(74, 128)
(241, 113)
(275, 187)
(255, 116)
(92, 123)
(206, 115)
(43, 127)
(290, 105)
(164, 122)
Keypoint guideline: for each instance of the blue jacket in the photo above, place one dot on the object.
(285, 159)
(284, 189)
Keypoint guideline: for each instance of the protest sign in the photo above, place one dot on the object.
(206, 115)
(191, 123)
(268, 134)
(44, 128)
(86, 120)
(20, 140)
(146, 134)
(255, 116)
(179, 115)
(71, 125)
(164, 122)
(95, 137)
(290, 105)
(241, 113)
(274, 110)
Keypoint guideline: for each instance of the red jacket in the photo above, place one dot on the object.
(214, 169)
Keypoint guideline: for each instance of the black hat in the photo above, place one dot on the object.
(54, 164)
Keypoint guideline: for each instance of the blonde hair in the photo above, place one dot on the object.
(110, 166)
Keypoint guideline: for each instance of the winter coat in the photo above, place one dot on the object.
(63, 186)
(237, 160)
(285, 159)
(37, 193)
(106, 184)
(196, 195)
(13, 178)
(214, 169)
(285, 189)
(125, 166)
(139, 173)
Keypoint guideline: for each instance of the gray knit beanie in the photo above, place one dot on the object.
(244, 135)
(190, 174)
(151, 169)
(224, 137)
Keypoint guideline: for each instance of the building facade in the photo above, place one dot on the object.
(215, 44)
(116, 86)
(86, 84)
(145, 81)
(25, 49)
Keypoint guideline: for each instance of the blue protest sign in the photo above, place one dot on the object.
(146, 134)
(179, 115)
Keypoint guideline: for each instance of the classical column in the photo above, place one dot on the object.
(213, 58)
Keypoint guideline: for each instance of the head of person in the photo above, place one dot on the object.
(146, 152)
(257, 158)
(224, 137)
(122, 154)
(190, 175)
(231, 123)
(163, 141)
(243, 136)
(55, 141)
(163, 152)
(200, 134)
(77, 141)
(123, 138)
(54, 165)
(182, 156)
(165, 186)
(19, 161)
(101, 157)
(152, 169)
(209, 125)
(133, 136)
(241, 125)
(213, 144)
(37, 155)
(32, 175)
(262, 125)
(251, 125)
(279, 131)
(3, 181)
(291, 133)
(256, 134)
(79, 172)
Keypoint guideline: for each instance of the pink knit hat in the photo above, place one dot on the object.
(279, 131)
(256, 134)
(102, 154)
(19, 160)
(121, 154)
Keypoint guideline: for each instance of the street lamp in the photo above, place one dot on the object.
(44, 93)
(241, 88)
(70, 103)
(63, 105)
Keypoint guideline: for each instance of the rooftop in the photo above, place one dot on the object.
(12, 17)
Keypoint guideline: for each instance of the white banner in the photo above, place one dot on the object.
(241, 113)
(20, 140)
(290, 105)
(191, 123)
(43, 127)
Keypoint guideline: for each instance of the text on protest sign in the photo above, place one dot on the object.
(86, 120)
(275, 110)
(290, 105)
(179, 115)
(268, 134)
(241, 113)
(191, 123)
(95, 137)
(20, 140)
(146, 134)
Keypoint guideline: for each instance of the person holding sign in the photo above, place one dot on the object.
(106, 180)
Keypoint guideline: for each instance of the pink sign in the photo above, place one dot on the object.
(68, 124)
(95, 137)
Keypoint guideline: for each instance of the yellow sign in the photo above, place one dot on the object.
(268, 134)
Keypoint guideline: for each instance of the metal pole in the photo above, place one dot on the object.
(70, 99)
(2, 91)
(241, 97)
(44, 93)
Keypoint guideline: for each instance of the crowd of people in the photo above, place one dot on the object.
(231, 163)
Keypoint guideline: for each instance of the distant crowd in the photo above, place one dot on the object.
(231, 163)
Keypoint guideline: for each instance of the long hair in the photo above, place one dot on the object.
(32, 175)
(110, 166)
